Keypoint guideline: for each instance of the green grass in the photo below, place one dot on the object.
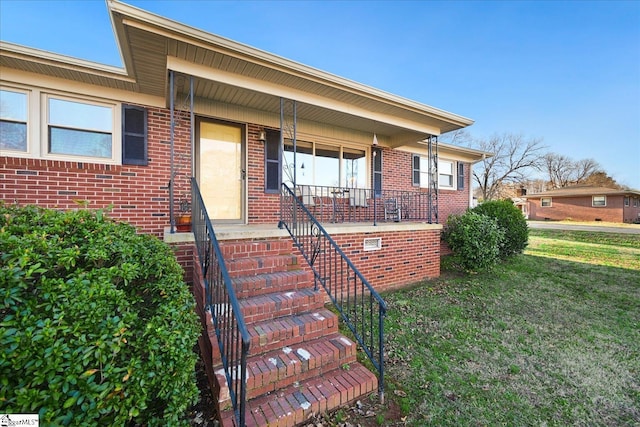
(550, 338)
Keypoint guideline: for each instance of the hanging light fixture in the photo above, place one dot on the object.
(375, 140)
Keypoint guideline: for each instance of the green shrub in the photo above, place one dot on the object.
(98, 327)
(511, 220)
(474, 240)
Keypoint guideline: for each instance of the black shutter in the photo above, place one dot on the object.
(272, 162)
(460, 176)
(134, 135)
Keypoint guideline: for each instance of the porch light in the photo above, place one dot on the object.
(375, 140)
(262, 136)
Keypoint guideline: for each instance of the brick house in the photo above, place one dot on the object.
(585, 203)
(241, 122)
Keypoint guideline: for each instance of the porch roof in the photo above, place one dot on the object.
(236, 74)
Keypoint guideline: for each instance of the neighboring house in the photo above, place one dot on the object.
(192, 104)
(585, 203)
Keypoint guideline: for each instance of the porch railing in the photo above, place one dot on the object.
(230, 329)
(342, 204)
(359, 305)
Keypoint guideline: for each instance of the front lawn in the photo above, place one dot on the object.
(550, 338)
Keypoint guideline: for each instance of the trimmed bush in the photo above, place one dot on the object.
(474, 240)
(98, 327)
(511, 220)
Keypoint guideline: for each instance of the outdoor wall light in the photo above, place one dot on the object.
(262, 136)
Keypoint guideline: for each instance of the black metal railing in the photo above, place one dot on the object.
(342, 204)
(360, 306)
(231, 331)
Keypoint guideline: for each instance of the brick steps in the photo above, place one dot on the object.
(253, 266)
(286, 366)
(298, 363)
(291, 330)
(295, 404)
(283, 281)
(269, 306)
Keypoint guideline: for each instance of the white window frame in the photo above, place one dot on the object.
(627, 201)
(424, 174)
(318, 143)
(116, 133)
(27, 120)
(542, 202)
(603, 204)
(452, 175)
(37, 125)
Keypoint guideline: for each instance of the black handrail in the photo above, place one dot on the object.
(221, 301)
(353, 296)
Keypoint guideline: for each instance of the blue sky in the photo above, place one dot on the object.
(566, 72)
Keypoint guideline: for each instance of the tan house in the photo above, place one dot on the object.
(303, 188)
(585, 203)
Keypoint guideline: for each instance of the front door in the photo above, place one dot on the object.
(221, 170)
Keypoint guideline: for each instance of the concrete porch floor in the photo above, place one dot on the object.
(265, 231)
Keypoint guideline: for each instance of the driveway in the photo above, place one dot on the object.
(608, 228)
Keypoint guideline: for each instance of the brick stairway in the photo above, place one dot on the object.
(298, 364)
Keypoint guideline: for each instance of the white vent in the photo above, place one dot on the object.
(372, 244)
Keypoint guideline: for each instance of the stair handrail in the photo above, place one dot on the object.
(230, 328)
(311, 238)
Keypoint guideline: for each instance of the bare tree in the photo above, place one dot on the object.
(563, 172)
(514, 159)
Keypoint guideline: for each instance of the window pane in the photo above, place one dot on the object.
(13, 136)
(79, 143)
(13, 106)
(424, 172)
(327, 166)
(79, 115)
(304, 160)
(599, 201)
(354, 168)
(445, 181)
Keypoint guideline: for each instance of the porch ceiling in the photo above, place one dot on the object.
(236, 74)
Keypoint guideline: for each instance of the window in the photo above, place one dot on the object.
(635, 202)
(545, 202)
(597, 201)
(445, 174)
(272, 167)
(13, 120)
(134, 135)
(627, 200)
(324, 165)
(420, 171)
(79, 128)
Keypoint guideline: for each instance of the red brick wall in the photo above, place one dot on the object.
(631, 213)
(578, 209)
(406, 257)
(140, 195)
(135, 194)
(263, 207)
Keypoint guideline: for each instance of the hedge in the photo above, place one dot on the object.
(98, 327)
